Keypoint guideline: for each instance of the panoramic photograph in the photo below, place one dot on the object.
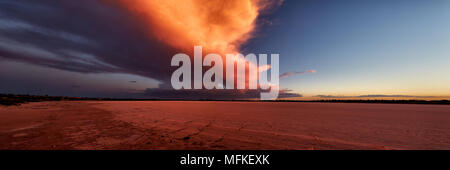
(224, 75)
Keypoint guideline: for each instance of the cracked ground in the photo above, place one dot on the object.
(175, 125)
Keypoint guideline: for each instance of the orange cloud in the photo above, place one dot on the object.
(220, 26)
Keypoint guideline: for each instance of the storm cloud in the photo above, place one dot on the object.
(105, 36)
(81, 36)
(213, 94)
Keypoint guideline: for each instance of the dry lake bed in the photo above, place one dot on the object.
(221, 125)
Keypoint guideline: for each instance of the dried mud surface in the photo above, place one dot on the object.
(175, 125)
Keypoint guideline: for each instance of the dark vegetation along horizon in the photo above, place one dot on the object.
(17, 99)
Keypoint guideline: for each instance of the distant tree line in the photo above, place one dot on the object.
(15, 99)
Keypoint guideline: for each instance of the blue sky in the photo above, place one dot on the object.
(362, 47)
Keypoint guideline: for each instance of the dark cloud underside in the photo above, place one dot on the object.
(81, 36)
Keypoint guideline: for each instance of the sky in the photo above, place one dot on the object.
(328, 49)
